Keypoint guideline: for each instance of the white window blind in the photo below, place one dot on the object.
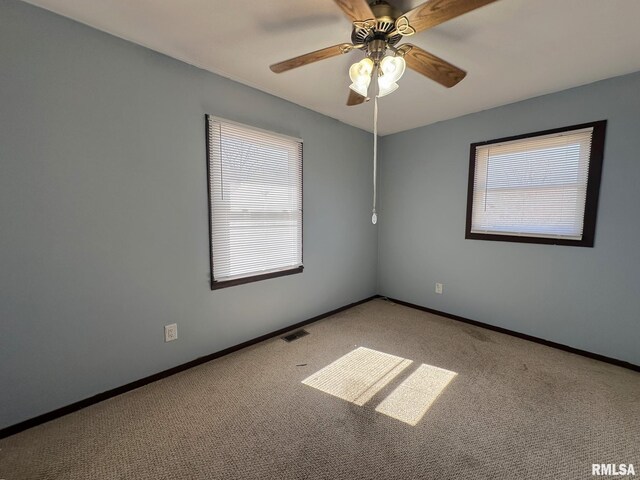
(533, 187)
(255, 180)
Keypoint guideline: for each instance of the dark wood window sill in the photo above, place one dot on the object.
(255, 278)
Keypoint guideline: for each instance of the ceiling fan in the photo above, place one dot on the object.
(378, 27)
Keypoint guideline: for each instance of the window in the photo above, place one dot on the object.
(255, 203)
(537, 188)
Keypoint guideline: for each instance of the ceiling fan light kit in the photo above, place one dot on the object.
(378, 27)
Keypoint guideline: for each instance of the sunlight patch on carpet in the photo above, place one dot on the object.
(358, 375)
(413, 397)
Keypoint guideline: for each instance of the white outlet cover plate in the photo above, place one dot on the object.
(170, 332)
(438, 288)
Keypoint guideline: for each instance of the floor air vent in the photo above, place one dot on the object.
(295, 335)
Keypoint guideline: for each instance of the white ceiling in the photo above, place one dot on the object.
(511, 49)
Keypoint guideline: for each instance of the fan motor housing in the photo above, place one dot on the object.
(384, 23)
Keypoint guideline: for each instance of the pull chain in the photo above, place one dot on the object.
(374, 216)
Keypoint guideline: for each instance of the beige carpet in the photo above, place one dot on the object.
(389, 393)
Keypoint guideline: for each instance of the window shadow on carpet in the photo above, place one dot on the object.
(360, 374)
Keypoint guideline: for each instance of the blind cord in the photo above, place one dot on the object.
(486, 177)
(221, 157)
(374, 216)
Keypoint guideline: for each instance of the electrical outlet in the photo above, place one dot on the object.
(439, 288)
(171, 332)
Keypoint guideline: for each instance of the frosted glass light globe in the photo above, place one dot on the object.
(392, 68)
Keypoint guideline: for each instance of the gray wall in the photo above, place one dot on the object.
(587, 298)
(103, 214)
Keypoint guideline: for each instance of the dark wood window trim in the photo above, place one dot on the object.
(216, 285)
(254, 278)
(593, 188)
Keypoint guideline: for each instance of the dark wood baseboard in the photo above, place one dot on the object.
(59, 412)
(531, 338)
(46, 417)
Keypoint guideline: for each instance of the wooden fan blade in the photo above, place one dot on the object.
(356, 9)
(435, 12)
(310, 57)
(431, 66)
(355, 98)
